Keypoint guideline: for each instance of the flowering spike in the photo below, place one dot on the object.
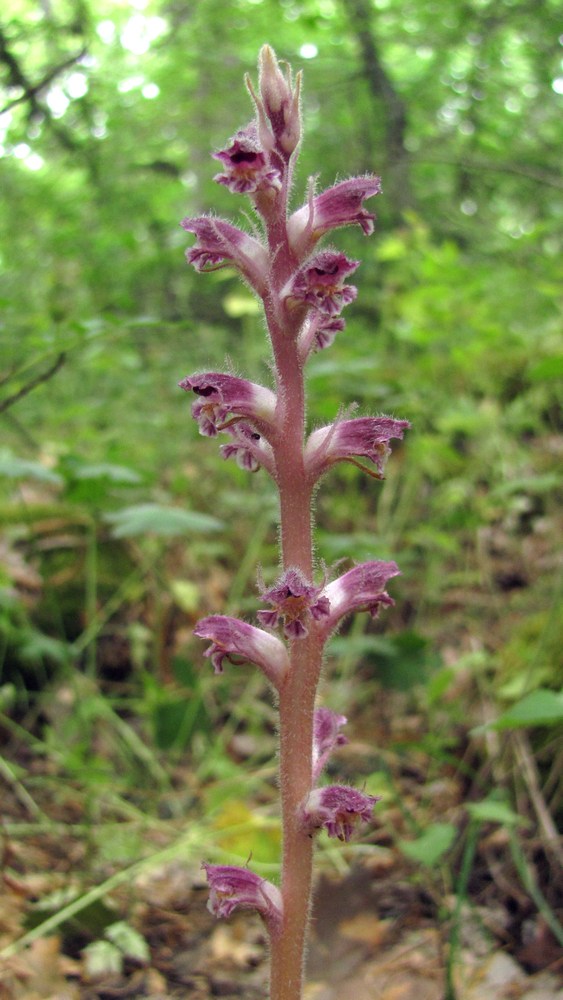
(231, 887)
(326, 737)
(366, 437)
(295, 602)
(239, 642)
(321, 284)
(338, 808)
(246, 166)
(219, 243)
(360, 589)
(341, 205)
(303, 292)
(222, 397)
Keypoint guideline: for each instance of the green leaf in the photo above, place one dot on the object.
(547, 368)
(109, 471)
(156, 519)
(540, 708)
(494, 811)
(101, 958)
(21, 468)
(128, 940)
(431, 846)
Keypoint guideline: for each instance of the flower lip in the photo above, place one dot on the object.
(231, 887)
(366, 437)
(247, 169)
(219, 243)
(295, 602)
(238, 642)
(226, 397)
(360, 589)
(340, 205)
(320, 283)
(248, 449)
(338, 809)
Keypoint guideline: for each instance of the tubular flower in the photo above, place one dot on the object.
(239, 642)
(341, 205)
(366, 437)
(248, 449)
(321, 283)
(247, 169)
(326, 737)
(338, 808)
(219, 244)
(295, 602)
(231, 887)
(360, 589)
(224, 398)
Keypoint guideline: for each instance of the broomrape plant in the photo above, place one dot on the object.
(303, 290)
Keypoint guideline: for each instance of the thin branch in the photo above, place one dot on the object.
(31, 91)
(531, 173)
(33, 383)
(529, 771)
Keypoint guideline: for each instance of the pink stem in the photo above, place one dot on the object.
(297, 697)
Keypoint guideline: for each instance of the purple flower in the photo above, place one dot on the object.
(360, 589)
(337, 808)
(294, 602)
(225, 398)
(248, 449)
(366, 437)
(219, 244)
(237, 641)
(319, 333)
(321, 283)
(231, 887)
(326, 737)
(341, 205)
(247, 169)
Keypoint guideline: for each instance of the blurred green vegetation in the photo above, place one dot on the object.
(118, 519)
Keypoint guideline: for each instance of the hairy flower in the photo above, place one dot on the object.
(247, 168)
(295, 602)
(341, 205)
(219, 243)
(224, 398)
(231, 887)
(237, 641)
(319, 333)
(364, 437)
(338, 809)
(321, 283)
(326, 737)
(360, 589)
(248, 449)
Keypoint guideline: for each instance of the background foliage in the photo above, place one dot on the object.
(119, 520)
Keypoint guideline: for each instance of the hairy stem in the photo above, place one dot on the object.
(296, 740)
(297, 697)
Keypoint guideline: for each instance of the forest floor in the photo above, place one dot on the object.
(381, 930)
(84, 915)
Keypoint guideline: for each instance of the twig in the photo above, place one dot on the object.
(529, 771)
(33, 383)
